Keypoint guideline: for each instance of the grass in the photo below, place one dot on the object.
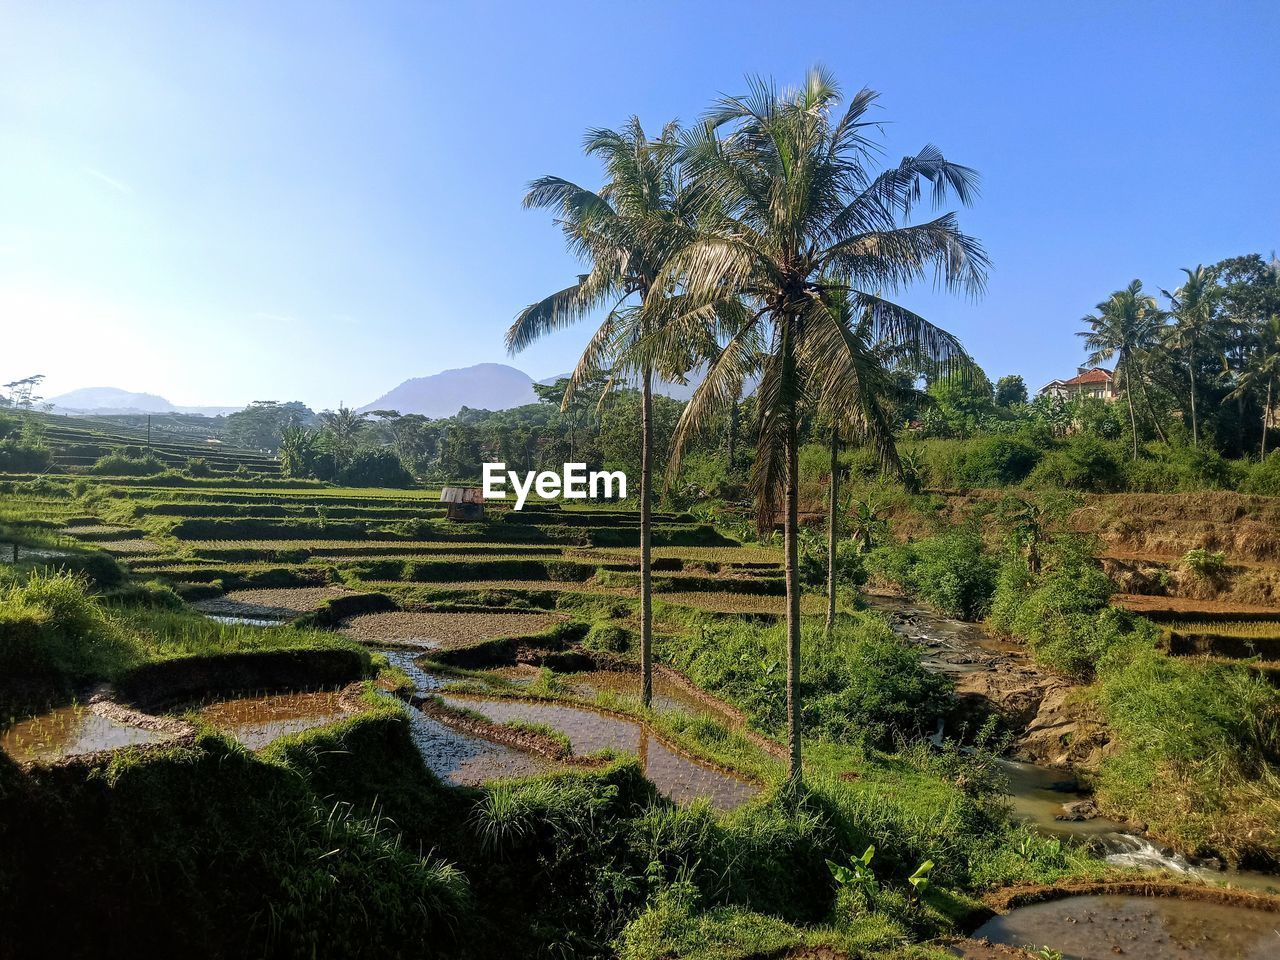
(1249, 629)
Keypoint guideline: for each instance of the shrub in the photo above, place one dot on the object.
(375, 468)
(1263, 478)
(1205, 563)
(1169, 468)
(608, 638)
(952, 571)
(986, 461)
(17, 457)
(1085, 462)
(198, 467)
(119, 464)
(864, 684)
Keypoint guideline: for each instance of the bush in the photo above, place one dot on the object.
(1169, 468)
(375, 468)
(985, 461)
(1085, 462)
(1063, 614)
(864, 684)
(119, 464)
(17, 457)
(1263, 478)
(198, 467)
(952, 571)
(609, 638)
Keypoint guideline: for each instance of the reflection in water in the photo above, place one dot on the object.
(1151, 928)
(68, 732)
(256, 721)
(243, 621)
(677, 776)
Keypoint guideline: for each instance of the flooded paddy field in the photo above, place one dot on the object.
(257, 721)
(277, 603)
(592, 732)
(436, 630)
(73, 731)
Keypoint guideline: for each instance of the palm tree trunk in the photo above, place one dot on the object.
(646, 572)
(791, 535)
(1151, 410)
(1195, 429)
(1133, 420)
(734, 417)
(1266, 417)
(833, 523)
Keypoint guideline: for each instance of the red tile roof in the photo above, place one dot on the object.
(1098, 375)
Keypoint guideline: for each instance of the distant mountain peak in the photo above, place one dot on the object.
(483, 386)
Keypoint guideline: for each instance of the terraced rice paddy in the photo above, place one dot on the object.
(278, 603)
(434, 630)
(258, 721)
(72, 731)
(591, 732)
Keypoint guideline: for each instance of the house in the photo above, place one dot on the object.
(1097, 383)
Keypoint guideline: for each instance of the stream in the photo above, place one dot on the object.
(1038, 793)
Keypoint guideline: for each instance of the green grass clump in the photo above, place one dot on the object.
(864, 683)
(952, 571)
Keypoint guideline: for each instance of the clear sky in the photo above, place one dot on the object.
(223, 202)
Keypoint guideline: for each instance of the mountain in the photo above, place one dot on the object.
(105, 401)
(485, 386)
(676, 391)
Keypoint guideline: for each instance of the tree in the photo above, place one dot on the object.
(22, 393)
(1011, 391)
(626, 231)
(261, 424)
(1264, 372)
(790, 219)
(1127, 325)
(1197, 326)
(343, 428)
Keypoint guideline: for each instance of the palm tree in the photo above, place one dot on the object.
(344, 427)
(626, 230)
(791, 221)
(1265, 371)
(1194, 307)
(1126, 326)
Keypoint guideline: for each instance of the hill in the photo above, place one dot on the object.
(485, 386)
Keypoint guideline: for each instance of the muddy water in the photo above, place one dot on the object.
(71, 731)
(678, 777)
(257, 721)
(1151, 928)
(589, 684)
(947, 645)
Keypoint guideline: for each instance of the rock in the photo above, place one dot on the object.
(1078, 811)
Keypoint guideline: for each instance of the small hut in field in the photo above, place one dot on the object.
(465, 503)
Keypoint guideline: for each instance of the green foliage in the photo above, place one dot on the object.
(1263, 478)
(1205, 563)
(864, 684)
(1084, 462)
(985, 461)
(16, 456)
(1175, 468)
(609, 638)
(119, 463)
(375, 468)
(51, 626)
(952, 571)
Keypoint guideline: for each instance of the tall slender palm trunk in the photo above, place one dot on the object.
(1151, 409)
(646, 523)
(833, 531)
(791, 535)
(1266, 417)
(1195, 427)
(1133, 420)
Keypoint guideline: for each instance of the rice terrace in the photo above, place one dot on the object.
(882, 571)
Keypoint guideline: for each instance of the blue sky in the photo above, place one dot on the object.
(223, 202)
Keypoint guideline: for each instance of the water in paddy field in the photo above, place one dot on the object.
(243, 621)
(678, 777)
(1149, 928)
(465, 758)
(462, 759)
(257, 721)
(71, 731)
